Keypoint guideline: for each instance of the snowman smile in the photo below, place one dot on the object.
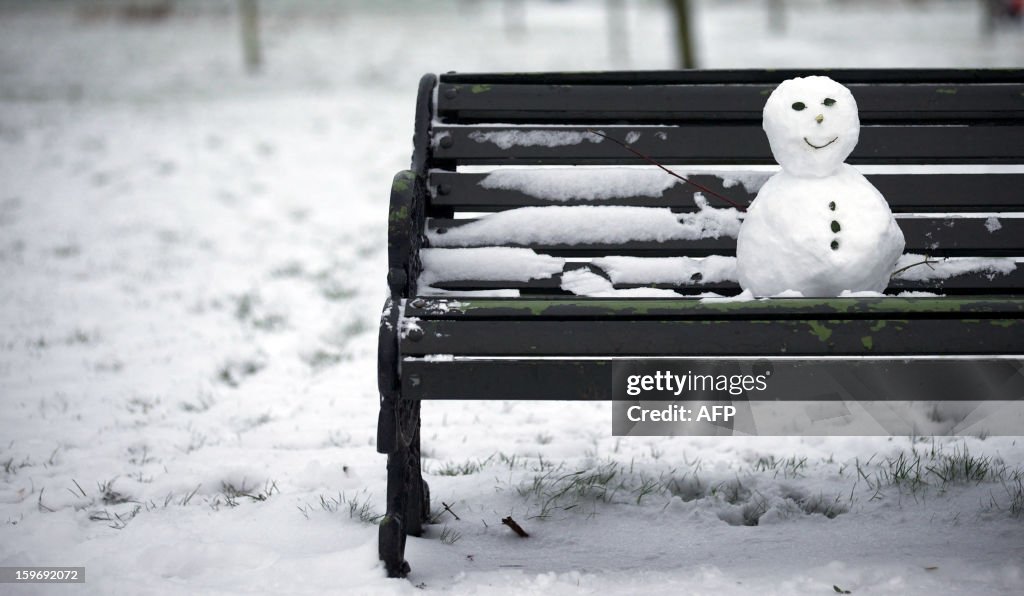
(820, 146)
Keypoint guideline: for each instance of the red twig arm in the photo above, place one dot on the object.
(651, 160)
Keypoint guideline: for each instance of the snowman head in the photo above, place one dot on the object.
(812, 125)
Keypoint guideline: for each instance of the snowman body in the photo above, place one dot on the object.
(818, 227)
(819, 236)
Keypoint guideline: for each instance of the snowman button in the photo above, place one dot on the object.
(835, 227)
(832, 206)
(835, 245)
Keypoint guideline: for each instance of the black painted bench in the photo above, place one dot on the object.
(449, 341)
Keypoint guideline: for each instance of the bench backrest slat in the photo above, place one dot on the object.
(718, 144)
(847, 76)
(670, 104)
(937, 236)
(906, 193)
(972, 284)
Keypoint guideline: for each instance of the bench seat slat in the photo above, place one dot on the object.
(796, 337)
(657, 308)
(930, 102)
(507, 379)
(938, 237)
(511, 379)
(725, 144)
(905, 193)
(973, 283)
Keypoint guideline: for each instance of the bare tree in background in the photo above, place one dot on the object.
(618, 33)
(249, 11)
(514, 12)
(684, 33)
(776, 16)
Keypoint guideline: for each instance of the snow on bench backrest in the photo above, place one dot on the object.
(524, 197)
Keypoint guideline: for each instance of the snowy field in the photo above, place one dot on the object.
(192, 265)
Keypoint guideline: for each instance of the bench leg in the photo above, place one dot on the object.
(417, 507)
(408, 500)
(391, 536)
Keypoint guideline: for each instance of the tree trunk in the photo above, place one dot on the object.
(776, 16)
(514, 12)
(684, 33)
(618, 33)
(619, 39)
(252, 53)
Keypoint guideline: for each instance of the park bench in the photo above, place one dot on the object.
(506, 325)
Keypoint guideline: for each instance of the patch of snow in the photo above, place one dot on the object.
(435, 141)
(506, 139)
(502, 293)
(385, 320)
(486, 264)
(668, 270)
(752, 180)
(440, 307)
(439, 358)
(583, 282)
(744, 296)
(586, 224)
(407, 325)
(788, 294)
(602, 183)
(992, 224)
(952, 267)
(588, 184)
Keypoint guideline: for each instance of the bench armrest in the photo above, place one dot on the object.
(405, 226)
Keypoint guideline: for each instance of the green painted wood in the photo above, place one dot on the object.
(588, 380)
(718, 338)
(682, 308)
(729, 337)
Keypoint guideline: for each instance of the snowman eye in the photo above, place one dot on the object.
(799, 106)
(829, 102)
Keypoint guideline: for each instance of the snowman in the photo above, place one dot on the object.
(818, 227)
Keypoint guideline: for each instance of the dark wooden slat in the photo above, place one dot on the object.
(741, 76)
(938, 237)
(974, 283)
(925, 103)
(462, 192)
(505, 379)
(732, 144)
(905, 193)
(546, 285)
(951, 192)
(963, 236)
(576, 308)
(794, 337)
(898, 379)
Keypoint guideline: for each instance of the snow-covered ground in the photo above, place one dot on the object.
(192, 265)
